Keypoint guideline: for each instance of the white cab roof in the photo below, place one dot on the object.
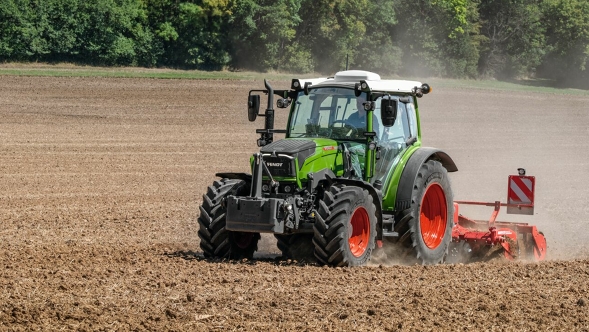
(349, 78)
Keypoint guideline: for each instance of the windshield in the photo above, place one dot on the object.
(329, 112)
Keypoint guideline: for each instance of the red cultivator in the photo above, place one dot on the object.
(481, 240)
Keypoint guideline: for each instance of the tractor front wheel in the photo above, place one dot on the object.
(296, 246)
(215, 240)
(426, 226)
(345, 226)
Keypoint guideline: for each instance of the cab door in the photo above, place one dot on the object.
(394, 141)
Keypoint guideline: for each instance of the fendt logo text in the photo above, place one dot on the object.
(274, 164)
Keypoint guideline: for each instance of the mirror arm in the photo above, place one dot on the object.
(285, 93)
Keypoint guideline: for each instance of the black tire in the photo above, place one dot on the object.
(426, 227)
(345, 227)
(215, 240)
(296, 246)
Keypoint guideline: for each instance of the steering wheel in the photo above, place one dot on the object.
(354, 130)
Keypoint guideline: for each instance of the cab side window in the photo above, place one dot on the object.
(401, 130)
(412, 118)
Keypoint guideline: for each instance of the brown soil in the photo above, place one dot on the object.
(101, 181)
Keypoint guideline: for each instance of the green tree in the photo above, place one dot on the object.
(114, 33)
(20, 33)
(242, 34)
(263, 36)
(378, 51)
(162, 16)
(567, 33)
(201, 30)
(514, 42)
(105, 32)
(59, 27)
(333, 30)
(191, 34)
(438, 37)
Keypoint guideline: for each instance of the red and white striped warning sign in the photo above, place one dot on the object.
(520, 192)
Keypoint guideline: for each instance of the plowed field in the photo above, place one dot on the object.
(101, 180)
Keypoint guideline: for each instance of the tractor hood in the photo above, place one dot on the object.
(300, 149)
(289, 146)
(309, 154)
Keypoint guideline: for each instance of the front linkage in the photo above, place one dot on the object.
(277, 215)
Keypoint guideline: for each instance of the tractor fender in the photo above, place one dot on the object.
(375, 193)
(236, 176)
(413, 165)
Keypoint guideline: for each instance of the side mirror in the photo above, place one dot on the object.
(253, 107)
(388, 111)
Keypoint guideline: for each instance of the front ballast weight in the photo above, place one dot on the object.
(262, 215)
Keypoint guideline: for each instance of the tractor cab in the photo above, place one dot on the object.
(344, 116)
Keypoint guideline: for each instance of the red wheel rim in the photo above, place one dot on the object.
(360, 233)
(433, 216)
(243, 240)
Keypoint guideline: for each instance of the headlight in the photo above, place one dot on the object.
(265, 187)
(287, 189)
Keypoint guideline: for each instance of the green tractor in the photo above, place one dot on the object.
(350, 176)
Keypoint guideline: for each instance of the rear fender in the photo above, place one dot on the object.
(420, 156)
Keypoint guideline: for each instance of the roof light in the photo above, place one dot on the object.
(425, 88)
(368, 105)
(419, 91)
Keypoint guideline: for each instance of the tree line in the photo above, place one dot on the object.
(447, 38)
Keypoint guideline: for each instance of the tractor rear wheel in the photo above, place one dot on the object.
(296, 246)
(426, 226)
(345, 226)
(215, 240)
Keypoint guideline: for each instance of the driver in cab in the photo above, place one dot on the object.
(358, 119)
